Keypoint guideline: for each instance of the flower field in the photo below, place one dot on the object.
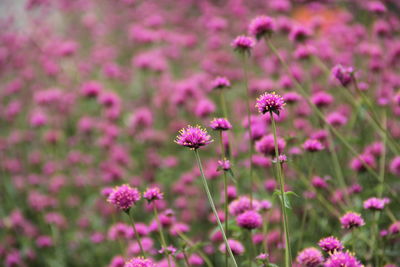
(217, 133)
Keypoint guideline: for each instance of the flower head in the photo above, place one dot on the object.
(221, 83)
(236, 247)
(243, 44)
(351, 220)
(140, 262)
(220, 124)
(270, 102)
(374, 203)
(224, 165)
(310, 257)
(343, 74)
(124, 197)
(330, 244)
(339, 259)
(249, 219)
(313, 145)
(193, 137)
(262, 25)
(153, 193)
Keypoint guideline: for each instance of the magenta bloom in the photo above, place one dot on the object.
(224, 165)
(220, 124)
(270, 102)
(374, 203)
(193, 137)
(249, 220)
(243, 44)
(140, 262)
(152, 194)
(351, 220)
(343, 74)
(340, 259)
(221, 83)
(330, 244)
(395, 166)
(236, 246)
(266, 145)
(312, 145)
(124, 197)
(310, 257)
(261, 26)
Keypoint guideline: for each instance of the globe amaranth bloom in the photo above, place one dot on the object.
(340, 259)
(124, 197)
(374, 203)
(310, 257)
(312, 145)
(270, 102)
(220, 124)
(266, 145)
(221, 83)
(343, 74)
(224, 165)
(243, 44)
(236, 247)
(249, 219)
(351, 220)
(152, 194)
(140, 262)
(262, 26)
(330, 244)
(193, 137)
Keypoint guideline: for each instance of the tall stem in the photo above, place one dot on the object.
(223, 103)
(136, 234)
(251, 148)
(210, 200)
(160, 230)
(225, 195)
(288, 260)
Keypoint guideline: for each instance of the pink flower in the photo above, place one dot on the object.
(124, 197)
(193, 137)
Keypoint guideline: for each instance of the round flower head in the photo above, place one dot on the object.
(249, 220)
(140, 262)
(193, 137)
(261, 26)
(330, 244)
(153, 193)
(224, 165)
(342, 74)
(310, 257)
(351, 220)
(236, 246)
(270, 102)
(374, 203)
(124, 197)
(340, 259)
(220, 124)
(312, 145)
(243, 44)
(221, 83)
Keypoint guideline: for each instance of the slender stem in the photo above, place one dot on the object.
(221, 228)
(251, 249)
(382, 159)
(225, 195)
(223, 103)
(251, 147)
(190, 243)
(288, 260)
(186, 258)
(160, 230)
(136, 234)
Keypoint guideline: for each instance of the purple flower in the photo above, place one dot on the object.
(374, 203)
(266, 145)
(243, 44)
(340, 259)
(236, 247)
(140, 262)
(153, 193)
(261, 26)
(312, 145)
(395, 166)
(221, 83)
(249, 220)
(351, 220)
(220, 124)
(343, 74)
(124, 197)
(270, 102)
(193, 137)
(394, 228)
(242, 205)
(224, 165)
(310, 257)
(330, 244)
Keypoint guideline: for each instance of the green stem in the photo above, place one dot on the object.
(251, 147)
(225, 195)
(136, 234)
(223, 104)
(288, 261)
(160, 230)
(210, 200)
(190, 243)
